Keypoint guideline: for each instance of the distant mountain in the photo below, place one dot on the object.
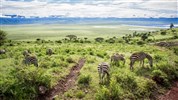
(158, 22)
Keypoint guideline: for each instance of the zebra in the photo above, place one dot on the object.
(30, 59)
(117, 57)
(103, 69)
(2, 51)
(140, 56)
(49, 52)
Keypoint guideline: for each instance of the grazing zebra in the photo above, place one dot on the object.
(49, 52)
(117, 57)
(29, 59)
(103, 69)
(2, 51)
(140, 56)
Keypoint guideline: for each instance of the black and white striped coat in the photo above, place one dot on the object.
(30, 59)
(115, 58)
(103, 69)
(140, 56)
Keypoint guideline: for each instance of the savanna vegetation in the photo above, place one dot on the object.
(20, 81)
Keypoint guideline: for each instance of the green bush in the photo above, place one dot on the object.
(84, 80)
(70, 60)
(113, 92)
(160, 77)
(80, 94)
(23, 83)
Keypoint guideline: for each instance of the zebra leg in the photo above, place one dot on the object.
(103, 76)
(99, 77)
(131, 65)
(124, 62)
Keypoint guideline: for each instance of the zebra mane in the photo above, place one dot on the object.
(148, 56)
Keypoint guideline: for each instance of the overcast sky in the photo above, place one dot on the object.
(91, 8)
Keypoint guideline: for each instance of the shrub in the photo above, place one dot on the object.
(99, 39)
(163, 33)
(3, 37)
(26, 81)
(113, 92)
(140, 42)
(84, 80)
(70, 60)
(160, 77)
(80, 94)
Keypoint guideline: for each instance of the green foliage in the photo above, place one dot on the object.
(84, 80)
(99, 39)
(3, 36)
(160, 77)
(80, 94)
(72, 37)
(163, 33)
(25, 83)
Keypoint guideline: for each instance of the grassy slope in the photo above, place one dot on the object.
(78, 50)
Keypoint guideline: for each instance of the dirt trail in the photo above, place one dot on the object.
(64, 84)
(172, 94)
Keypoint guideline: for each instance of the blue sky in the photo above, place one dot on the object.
(91, 8)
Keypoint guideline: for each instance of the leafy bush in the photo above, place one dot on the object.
(140, 42)
(113, 92)
(163, 33)
(84, 80)
(80, 94)
(160, 77)
(3, 37)
(25, 83)
(70, 60)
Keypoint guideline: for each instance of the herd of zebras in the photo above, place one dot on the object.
(103, 68)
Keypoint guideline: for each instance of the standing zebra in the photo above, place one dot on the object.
(140, 56)
(49, 52)
(117, 57)
(103, 69)
(30, 59)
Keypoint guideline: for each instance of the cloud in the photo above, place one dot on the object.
(91, 8)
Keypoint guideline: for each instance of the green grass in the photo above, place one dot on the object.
(56, 32)
(124, 84)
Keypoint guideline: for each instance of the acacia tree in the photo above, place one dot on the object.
(72, 37)
(3, 37)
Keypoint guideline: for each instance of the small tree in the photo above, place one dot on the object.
(163, 33)
(3, 37)
(99, 39)
(72, 37)
(144, 37)
(171, 25)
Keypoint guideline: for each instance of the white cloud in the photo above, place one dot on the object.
(92, 8)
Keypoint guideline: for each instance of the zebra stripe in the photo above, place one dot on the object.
(140, 56)
(31, 60)
(103, 69)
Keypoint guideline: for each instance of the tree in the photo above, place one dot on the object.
(99, 39)
(144, 37)
(72, 37)
(171, 25)
(3, 37)
(163, 33)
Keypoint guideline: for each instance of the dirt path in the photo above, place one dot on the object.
(64, 84)
(172, 94)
